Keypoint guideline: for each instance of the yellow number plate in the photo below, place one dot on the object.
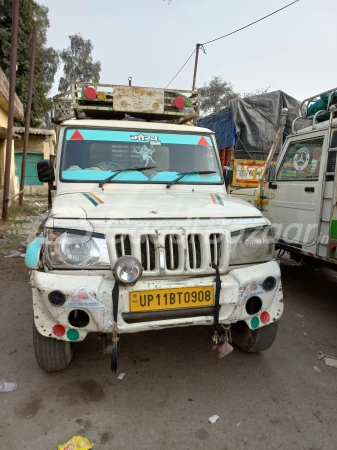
(158, 299)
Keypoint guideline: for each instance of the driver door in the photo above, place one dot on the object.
(295, 195)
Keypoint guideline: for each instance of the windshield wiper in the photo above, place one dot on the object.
(182, 175)
(140, 169)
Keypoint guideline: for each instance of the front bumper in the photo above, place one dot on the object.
(233, 297)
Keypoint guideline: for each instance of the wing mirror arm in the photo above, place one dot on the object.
(46, 174)
(228, 177)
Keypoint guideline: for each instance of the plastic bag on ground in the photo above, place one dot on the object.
(76, 443)
(5, 386)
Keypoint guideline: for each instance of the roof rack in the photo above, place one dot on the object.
(110, 101)
(305, 106)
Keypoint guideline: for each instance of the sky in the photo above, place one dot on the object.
(151, 39)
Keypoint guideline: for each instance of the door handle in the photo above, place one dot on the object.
(309, 189)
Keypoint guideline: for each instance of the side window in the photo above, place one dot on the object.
(302, 160)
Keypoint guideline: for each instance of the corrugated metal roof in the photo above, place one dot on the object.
(40, 131)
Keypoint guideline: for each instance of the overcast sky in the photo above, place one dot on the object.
(149, 40)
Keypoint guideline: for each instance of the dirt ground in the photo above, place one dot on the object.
(174, 381)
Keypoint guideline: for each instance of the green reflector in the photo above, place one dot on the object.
(188, 102)
(254, 323)
(73, 335)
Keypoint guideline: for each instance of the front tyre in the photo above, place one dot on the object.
(254, 341)
(50, 353)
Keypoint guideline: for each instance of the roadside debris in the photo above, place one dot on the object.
(224, 349)
(77, 442)
(316, 369)
(213, 419)
(329, 360)
(5, 386)
(121, 376)
(300, 316)
(305, 333)
(14, 254)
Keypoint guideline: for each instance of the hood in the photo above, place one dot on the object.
(168, 204)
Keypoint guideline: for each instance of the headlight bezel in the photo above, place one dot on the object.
(252, 245)
(53, 255)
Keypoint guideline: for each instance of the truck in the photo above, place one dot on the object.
(247, 128)
(141, 234)
(298, 193)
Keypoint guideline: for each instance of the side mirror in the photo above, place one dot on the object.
(228, 175)
(271, 173)
(45, 171)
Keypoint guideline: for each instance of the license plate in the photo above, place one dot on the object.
(162, 299)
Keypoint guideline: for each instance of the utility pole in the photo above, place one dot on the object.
(197, 48)
(12, 79)
(28, 111)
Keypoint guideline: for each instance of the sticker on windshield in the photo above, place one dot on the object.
(145, 154)
(301, 159)
(82, 298)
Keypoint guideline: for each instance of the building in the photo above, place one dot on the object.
(18, 115)
(41, 145)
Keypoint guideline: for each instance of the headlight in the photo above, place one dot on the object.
(252, 245)
(76, 249)
(127, 270)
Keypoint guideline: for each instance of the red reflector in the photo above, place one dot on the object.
(59, 330)
(90, 93)
(77, 136)
(265, 317)
(179, 102)
(203, 141)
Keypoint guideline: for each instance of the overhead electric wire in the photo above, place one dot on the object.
(175, 76)
(250, 24)
(228, 34)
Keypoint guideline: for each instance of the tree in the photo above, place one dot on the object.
(78, 63)
(47, 58)
(256, 92)
(217, 93)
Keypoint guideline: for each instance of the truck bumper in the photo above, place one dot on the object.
(237, 287)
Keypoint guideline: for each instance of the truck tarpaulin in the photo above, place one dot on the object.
(250, 124)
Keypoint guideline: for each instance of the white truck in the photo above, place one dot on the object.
(300, 196)
(141, 234)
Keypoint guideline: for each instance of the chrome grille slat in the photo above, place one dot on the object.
(171, 253)
(147, 253)
(122, 245)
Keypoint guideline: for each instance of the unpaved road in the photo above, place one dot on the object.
(174, 382)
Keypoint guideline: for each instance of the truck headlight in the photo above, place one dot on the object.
(252, 245)
(75, 249)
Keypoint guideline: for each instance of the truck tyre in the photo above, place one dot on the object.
(50, 353)
(254, 341)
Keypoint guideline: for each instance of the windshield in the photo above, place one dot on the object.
(96, 154)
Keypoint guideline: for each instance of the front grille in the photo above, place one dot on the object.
(123, 246)
(148, 252)
(172, 251)
(215, 245)
(163, 253)
(194, 251)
